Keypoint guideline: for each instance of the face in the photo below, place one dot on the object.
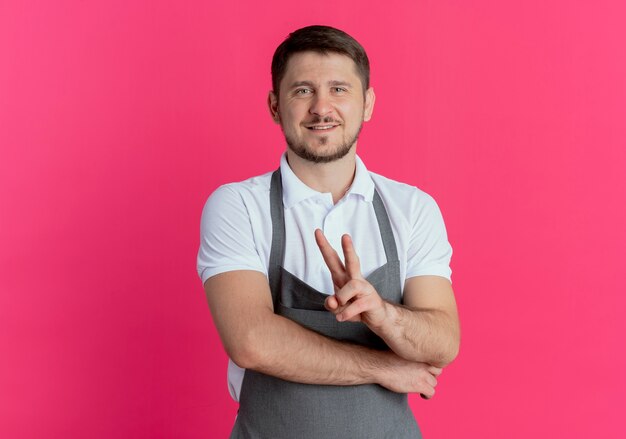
(321, 106)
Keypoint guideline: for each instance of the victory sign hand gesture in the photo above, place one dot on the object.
(355, 299)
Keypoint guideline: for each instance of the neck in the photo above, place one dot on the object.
(334, 177)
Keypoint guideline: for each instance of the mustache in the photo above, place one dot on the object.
(319, 120)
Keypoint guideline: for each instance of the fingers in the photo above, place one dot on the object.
(354, 309)
(431, 379)
(429, 387)
(353, 264)
(340, 274)
(436, 371)
(347, 279)
(357, 301)
(405, 376)
(332, 260)
(331, 303)
(427, 379)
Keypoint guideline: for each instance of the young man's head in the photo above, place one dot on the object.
(322, 40)
(321, 94)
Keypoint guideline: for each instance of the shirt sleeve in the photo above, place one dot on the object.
(429, 251)
(226, 240)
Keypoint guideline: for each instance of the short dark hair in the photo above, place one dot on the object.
(324, 40)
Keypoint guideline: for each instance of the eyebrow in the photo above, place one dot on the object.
(340, 83)
(331, 83)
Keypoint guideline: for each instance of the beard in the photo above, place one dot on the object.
(302, 149)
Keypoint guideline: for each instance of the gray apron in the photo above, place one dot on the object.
(272, 408)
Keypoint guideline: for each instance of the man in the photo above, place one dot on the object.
(323, 346)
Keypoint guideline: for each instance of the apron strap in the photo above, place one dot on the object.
(277, 253)
(386, 233)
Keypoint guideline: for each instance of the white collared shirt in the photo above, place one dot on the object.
(236, 231)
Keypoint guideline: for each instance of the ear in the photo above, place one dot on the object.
(370, 98)
(272, 103)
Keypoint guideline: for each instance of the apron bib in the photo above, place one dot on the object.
(272, 408)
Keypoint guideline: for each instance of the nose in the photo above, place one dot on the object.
(321, 104)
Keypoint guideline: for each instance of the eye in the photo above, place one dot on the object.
(302, 91)
(339, 89)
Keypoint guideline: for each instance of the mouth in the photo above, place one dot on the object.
(321, 127)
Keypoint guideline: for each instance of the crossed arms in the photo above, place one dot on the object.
(423, 334)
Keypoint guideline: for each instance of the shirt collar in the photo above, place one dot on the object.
(295, 191)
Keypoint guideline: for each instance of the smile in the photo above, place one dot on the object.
(322, 127)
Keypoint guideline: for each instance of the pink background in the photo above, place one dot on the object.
(118, 119)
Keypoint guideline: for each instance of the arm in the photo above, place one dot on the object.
(256, 338)
(425, 329)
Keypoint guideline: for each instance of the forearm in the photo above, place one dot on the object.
(256, 338)
(422, 335)
(282, 348)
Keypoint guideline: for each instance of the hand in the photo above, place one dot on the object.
(355, 299)
(404, 376)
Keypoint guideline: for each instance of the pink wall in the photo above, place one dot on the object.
(118, 118)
